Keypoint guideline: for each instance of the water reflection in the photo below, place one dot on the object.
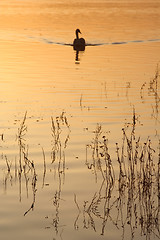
(138, 202)
(79, 44)
(24, 168)
(153, 91)
(60, 136)
(127, 197)
(126, 194)
(77, 58)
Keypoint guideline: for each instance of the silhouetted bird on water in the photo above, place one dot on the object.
(79, 43)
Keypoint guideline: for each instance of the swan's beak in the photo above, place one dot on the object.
(80, 32)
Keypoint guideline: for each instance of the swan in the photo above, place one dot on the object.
(79, 43)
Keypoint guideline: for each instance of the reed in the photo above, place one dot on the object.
(34, 189)
(154, 91)
(137, 181)
(79, 212)
(98, 158)
(60, 130)
(8, 175)
(59, 139)
(21, 141)
(44, 167)
(127, 197)
(2, 136)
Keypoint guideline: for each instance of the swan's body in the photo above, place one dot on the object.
(79, 43)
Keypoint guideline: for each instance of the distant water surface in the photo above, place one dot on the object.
(67, 116)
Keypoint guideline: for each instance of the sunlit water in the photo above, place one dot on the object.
(58, 106)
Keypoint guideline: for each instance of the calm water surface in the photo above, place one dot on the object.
(79, 134)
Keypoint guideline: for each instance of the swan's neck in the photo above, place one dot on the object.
(77, 35)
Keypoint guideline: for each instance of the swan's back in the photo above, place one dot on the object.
(82, 41)
(79, 44)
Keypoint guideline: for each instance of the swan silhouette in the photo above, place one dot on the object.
(79, 43)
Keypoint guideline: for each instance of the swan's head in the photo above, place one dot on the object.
(78, 31)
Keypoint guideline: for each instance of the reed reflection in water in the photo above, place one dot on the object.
(128, 195)
(137, 205)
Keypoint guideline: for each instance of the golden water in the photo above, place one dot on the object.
(40, 76)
